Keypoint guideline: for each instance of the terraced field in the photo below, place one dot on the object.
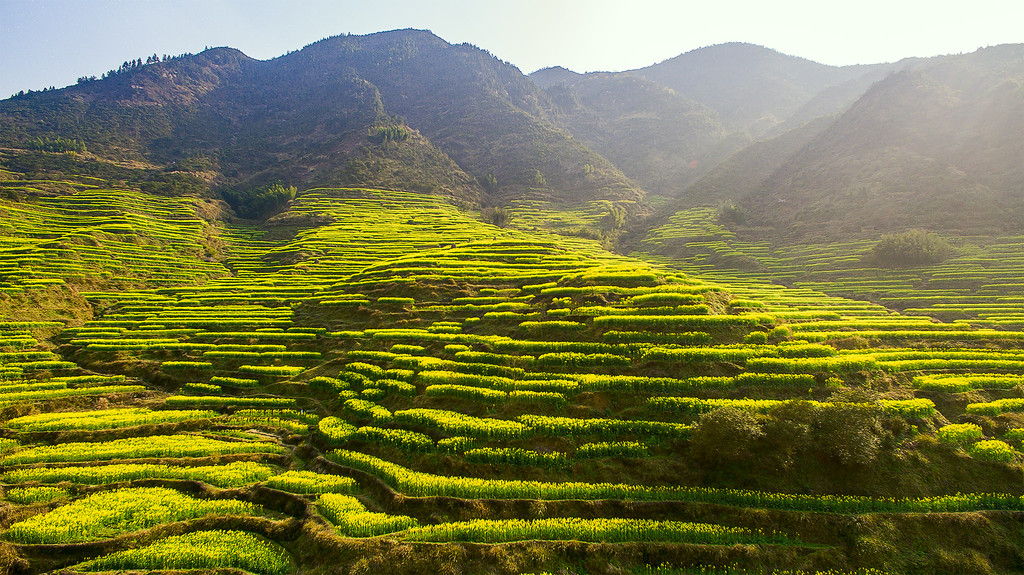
(376, 382)
(981, 282)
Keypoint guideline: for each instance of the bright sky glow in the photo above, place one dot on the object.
(53, 42)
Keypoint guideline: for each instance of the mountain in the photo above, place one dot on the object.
(658, 138)
(803, 147)
(752, 88)
(743, 173)
(401, 109)
(668, 124)
(547, 77)
(938, 147)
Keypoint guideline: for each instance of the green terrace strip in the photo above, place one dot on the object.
(812, 364)
(255, 335)
(268, 421)
(675, 322)
(483, 394)
(103, 419)
(225, 401)
(515, 456)
(546, 425)
(594, 530)
(30, 495)
(584, 360)
(960, 434)
(105, 514)
(7, 445)
(996, 407)
(36, 395)
(1015, 365)
(918, 334)
(455, 423)
(163, 446)
(920, 407)
(427, 485)
(201, 388)
(612, 449)
(369, 410)
(336, 429)
(310, 482)
(234, 381)
(351, 518)
(992, 450)
(955, 383)
(202, 550)
(294, 421)
(234, 474)
(186, 365)
(680, 338)
(272, 370)
(399, 438)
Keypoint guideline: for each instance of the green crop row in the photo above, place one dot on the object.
(335, 429)
(200, 550)
(423, 484)
(137, 448)
(101, 515)
(352, 519)
(612, 449)
(234, 474)
(456, 423)
(227, 401)
(398, 438)
(596, 530)
(103, 419)
(515, 456)
(369, 410)
(569, 426)
(310, 482)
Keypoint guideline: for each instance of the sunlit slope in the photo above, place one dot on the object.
(104, 236)
(380, 382)
(979, 283)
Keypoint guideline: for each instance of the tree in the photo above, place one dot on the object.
(261, 202)
(908, 249)
(726, 433)
(538, 179)
(849, 433)
(615, 218)
(496, 216)
(489, 182)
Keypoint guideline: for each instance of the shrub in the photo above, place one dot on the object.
(908, 249)
(261, 202)
(849, 433)
(725, 433)
(992, 450)
(960, 434)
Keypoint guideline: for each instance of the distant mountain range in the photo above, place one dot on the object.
(800, 146)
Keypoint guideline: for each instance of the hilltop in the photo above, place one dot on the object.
(400, 109)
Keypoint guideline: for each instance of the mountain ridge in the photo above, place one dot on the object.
(405, 109)
(311, 116)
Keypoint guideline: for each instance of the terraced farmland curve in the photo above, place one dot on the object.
(376, 381)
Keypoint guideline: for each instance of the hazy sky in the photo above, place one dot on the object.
(53, 42)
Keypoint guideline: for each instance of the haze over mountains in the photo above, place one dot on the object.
(799, 146)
